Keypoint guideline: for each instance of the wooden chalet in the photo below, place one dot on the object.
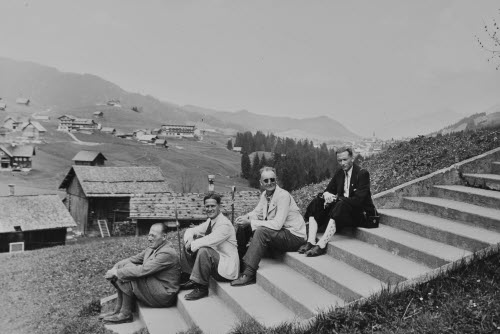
(89, 158)
(98, 114)
(72, 123)
(147, 209)
(18, 157)
(33, 221)
(13, 123)
(94, 193)
(23, 100)
(161, 143)
(146, 139)
(108, 130)
(32, 130)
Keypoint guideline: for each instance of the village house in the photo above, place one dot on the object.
(32, 221)
(178, 131)
(237, 149)
(89, 158)
(13, 123)
(108, 130)
(3, 106)
(94, 193)
(32, 130)
(23, 101)
(141, 132)
(114, 103)
(4, 134)
(161, 143)
(98, 114)
(16, 157)
(146, 139)
(147, 209)
(72, 123)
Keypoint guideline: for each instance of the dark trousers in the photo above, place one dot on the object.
(264, 240)
(342, 212)
(201, 265)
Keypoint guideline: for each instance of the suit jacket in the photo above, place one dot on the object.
(222, 239)
(283, 212)
(158, 270)
(360, 197)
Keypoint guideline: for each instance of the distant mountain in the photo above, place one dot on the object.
(489, 118)
(321, 128)
(419, 125)
(49, 88)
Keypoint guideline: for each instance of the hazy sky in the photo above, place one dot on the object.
(360, 62)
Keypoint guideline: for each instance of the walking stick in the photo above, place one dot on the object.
(233, 190)
(177, 225)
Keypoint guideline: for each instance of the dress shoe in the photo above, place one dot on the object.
(243, 280)
(108, 314)
(188, 285)
(199, 292)
(305, 248)
(316, 251)
(119, 318)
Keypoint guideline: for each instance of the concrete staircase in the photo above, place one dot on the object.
(421, 234)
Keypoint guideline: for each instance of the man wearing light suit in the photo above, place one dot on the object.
(152, 276)
(210, 249)
(276, 224)
(346, 201)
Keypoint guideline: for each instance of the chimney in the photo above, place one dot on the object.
(12, 191)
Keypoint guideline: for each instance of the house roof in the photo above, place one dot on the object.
(3, 106)
(33, 213)
(160, 141)
(107, 129)
(189, 205)
(22, 100)
(146, 137)
(37, 125)
(68, 116)
(87, 156)
(25, 151)
(83, 121)
(117, 181)
(98, 113)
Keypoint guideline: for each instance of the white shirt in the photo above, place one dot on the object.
(347, 182)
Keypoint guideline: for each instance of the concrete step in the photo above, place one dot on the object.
(439, 229)
(474, 215)
(162, 320)
(411, 246)
(476, 196)
(488, 181)
(300, 294)
(335, 276)
(372, 260)
(495, 167)
(210, 314)
(253, 302)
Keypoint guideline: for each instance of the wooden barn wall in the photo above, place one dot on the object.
(34, 239)
(77, 204)
(104, 208)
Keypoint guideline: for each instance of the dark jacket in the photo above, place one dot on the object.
(360, 197)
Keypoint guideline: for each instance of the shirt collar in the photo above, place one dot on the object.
(349, 172)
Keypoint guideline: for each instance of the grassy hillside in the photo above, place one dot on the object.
(185, 160)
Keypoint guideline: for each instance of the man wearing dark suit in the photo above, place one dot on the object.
(152, 276)
(346, 201)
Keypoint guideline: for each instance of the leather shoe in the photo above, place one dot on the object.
(244, 280)
(188, 285)
(119, 318)
(197, 293)
(316, 251)
(305, 248)
(108, 314)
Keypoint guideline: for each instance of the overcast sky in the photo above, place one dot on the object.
(360, 62)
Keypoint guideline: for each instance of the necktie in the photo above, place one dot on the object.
(209, 228)
(346, 185)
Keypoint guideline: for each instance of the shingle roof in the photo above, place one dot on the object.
(26, 151)
(33, 213)
(189, 205)
(117, 181)
(87, 156)
(35, 124)
(107, 129)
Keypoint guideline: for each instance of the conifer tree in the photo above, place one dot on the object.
(246, 167)
(230, 145)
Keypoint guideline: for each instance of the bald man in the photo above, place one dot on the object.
(152, 276)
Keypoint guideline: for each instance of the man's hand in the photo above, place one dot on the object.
(243, 220)
(187, 244)
(110, 273)
(329, 197)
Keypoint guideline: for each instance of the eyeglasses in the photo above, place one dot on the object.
(270, 180)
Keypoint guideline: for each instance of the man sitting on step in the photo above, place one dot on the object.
(346, 201)
(276, 224)
(152, 276)
(210, 249)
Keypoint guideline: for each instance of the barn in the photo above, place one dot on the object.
(94, 193)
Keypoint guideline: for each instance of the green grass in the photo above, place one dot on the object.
(57, 290)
